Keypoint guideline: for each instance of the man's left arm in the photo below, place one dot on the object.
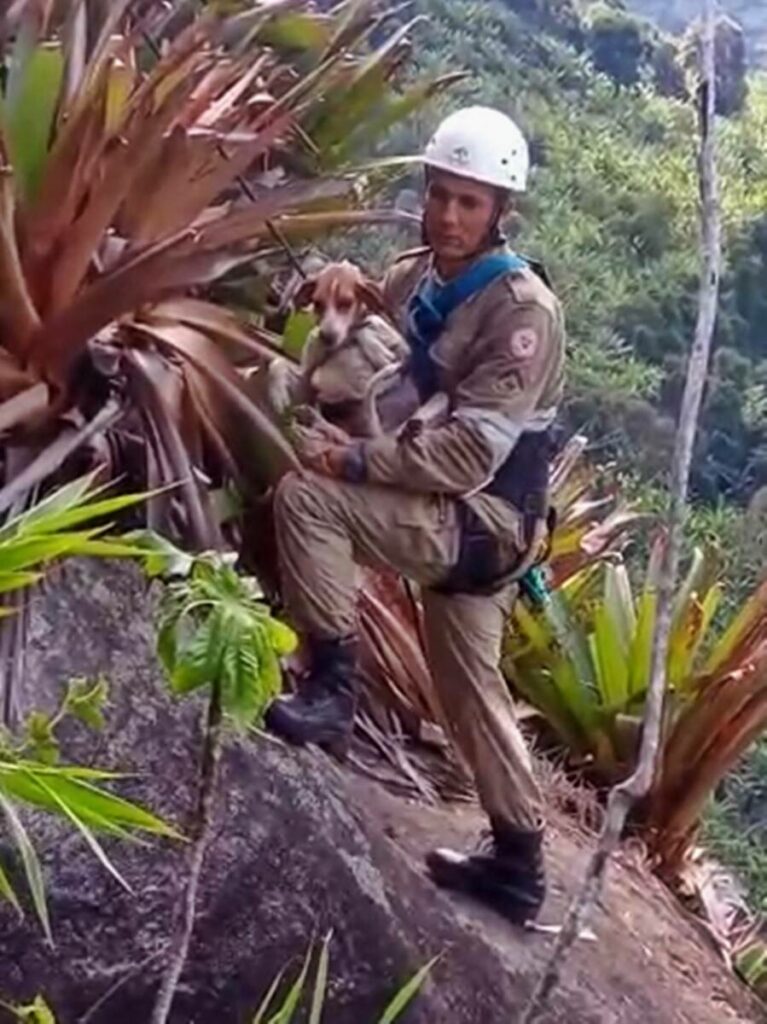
(499, 396)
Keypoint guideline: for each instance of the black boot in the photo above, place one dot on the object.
(506, 872)
(322, 711)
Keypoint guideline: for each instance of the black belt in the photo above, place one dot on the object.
(484, 565)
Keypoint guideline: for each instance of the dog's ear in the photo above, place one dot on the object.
(305, 293)
(372, 295)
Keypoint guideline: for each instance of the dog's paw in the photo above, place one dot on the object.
(281, 380)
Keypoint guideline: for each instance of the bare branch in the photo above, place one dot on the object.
(625, 795)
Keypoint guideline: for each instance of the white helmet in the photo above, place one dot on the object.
(482, 144)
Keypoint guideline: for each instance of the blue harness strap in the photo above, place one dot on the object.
(432, 304)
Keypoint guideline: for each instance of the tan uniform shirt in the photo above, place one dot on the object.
(499, 360)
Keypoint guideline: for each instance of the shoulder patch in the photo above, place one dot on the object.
(524, 342)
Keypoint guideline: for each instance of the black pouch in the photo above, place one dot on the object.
(483, 565)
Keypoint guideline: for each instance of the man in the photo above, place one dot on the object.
(458, 506)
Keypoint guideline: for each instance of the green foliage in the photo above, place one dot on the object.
(30, 774)
(731, 66)
(61, 525)
(736, 824)
(36, 1012)
(215, 628)
(285, 1014)
(617, 42)
(751, 964)
(612, 212)
(35, 77)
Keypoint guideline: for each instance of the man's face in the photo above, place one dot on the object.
(458, 214)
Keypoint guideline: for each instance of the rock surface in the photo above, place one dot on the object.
(300, 847)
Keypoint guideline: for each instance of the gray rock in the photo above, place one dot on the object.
(299, 847)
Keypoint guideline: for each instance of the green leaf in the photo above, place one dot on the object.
(27, 551)
(41, 741)
(31, 862)
(620, 603)
(93, 805)
(286, 1012)
(353, 103)
(406, 994)
(296, 31)
(10, 581)
(198, 664)
(95, 846)
(641, 649)
(298, 327)
(86, 700)
(611, 658)
(29, 115)
(8, 892)
(320, 982)
(393, 111)
(167, 647)
(37, 1012)
(241, 676)
(268, 999)
(281, 637)
(87, 508)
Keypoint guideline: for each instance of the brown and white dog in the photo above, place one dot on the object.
(351, 355)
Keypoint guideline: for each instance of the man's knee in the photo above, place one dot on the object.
(288, 494)
(301, 494)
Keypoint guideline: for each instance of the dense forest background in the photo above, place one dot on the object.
(675, 15)
(603, 93)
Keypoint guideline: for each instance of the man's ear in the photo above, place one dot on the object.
(305, 294)
(372, 295)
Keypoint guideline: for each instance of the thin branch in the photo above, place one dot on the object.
(625, 795)
(182, 935)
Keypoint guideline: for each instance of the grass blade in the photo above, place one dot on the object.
(285, 1014)
(406, 994)
(92, 804)
(268, 998)
(8, 892)
(320, 982)
(31, 862)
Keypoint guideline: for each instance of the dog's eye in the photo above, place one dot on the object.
(319, 307)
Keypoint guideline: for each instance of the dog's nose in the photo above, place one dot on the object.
(329, 338)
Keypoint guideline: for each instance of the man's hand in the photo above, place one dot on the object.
(320, 451)
(308, 418)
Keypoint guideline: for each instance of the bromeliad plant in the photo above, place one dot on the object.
(144, 154)
(584, 660)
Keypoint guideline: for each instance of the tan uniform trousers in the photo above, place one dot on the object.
(324, 527)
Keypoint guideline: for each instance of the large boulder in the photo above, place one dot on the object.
(299, 846)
